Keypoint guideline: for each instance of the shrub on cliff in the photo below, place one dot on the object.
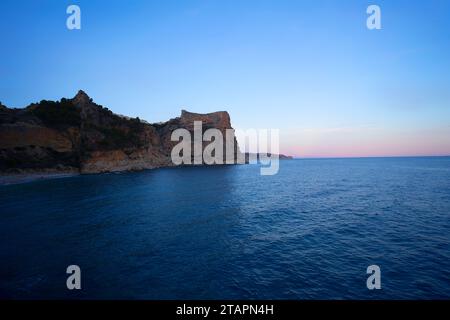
(58, 114)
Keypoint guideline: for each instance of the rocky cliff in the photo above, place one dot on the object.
(78, 135)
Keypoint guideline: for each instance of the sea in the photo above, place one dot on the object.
(227, 232)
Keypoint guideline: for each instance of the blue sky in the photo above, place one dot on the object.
(310, 68)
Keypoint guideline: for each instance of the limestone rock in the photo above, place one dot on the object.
(81, 135)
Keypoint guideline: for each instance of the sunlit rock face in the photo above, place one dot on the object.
(216, 120)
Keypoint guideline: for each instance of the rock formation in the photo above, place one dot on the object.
(78, 135)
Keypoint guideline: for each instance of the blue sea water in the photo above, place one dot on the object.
(226, 232)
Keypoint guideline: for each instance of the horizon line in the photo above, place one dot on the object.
(367, 157)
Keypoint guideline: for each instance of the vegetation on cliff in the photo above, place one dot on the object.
(59, 114)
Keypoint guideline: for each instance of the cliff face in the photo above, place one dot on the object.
(216, 120)
(79, 135)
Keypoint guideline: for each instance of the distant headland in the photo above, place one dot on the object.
(79, 136)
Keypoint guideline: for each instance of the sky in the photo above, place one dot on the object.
(310, 68)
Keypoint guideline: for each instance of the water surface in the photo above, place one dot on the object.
(308, 232)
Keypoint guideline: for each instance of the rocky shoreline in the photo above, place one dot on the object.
(19, 178)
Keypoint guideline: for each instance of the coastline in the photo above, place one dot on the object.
(7, 179)
(26, 176)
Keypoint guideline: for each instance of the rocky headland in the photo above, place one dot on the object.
(79, 136)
